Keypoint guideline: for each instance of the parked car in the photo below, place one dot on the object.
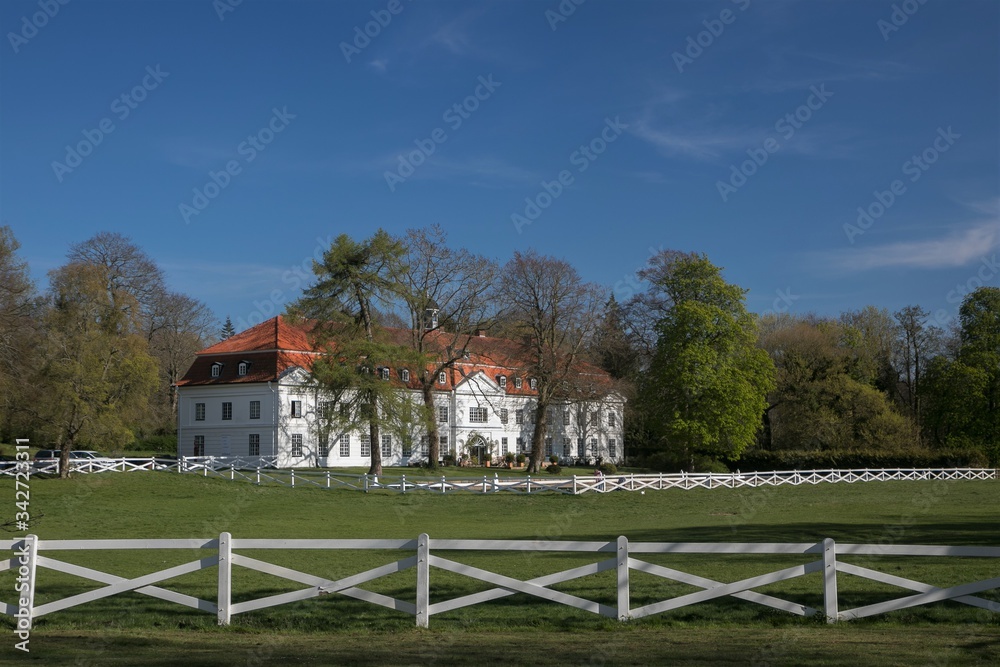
(48, 454)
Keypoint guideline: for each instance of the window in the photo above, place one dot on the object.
(502, 381)
(442, 378)
(296, 408)
(366, 445)
(443, 441)
(345, 411)
(227, 411)
(566, 419)
(254, 409)
(519, 417)
(383, 373)
(199, 412)
(595, 417)
(323, 444)
(478, 415)
(548, 446)
(517, 383)
(199, 445)
(533, 383)
(443, 414)
(611, 418)
(581, 451)
(612, 448)
(520, 445)
(407, 446)
(404, 375)
(503, 415)
(424, 445)
(503, 446)
(254, 444)
(567, 448)
(593, 446)
(216, 369)
(242, 368)
(296, 444)
(386, 446)
(345, 445)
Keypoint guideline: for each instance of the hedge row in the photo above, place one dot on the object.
(761, 461)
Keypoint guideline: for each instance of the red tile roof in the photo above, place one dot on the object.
(275, 346)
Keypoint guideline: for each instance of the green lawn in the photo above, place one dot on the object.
(135, 629)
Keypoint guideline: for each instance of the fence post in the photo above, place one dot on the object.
(402, 483)
(423, 579)
(623, 582)
(574, 485)
(830, 608)
(366, 483)
(328, 479)
(225, 578)
(293, 478)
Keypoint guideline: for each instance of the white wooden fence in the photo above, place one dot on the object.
(261, 470)
(578, 484)
(30, 556)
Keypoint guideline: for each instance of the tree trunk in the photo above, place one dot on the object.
(538, 438)
(64, 447)
(433, 437)
(376, 445)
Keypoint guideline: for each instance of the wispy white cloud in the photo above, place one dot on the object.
(379, 64)
(702, 143)
(956, 248)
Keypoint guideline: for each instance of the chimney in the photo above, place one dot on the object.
(481, 333)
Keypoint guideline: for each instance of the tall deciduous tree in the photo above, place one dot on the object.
(17, 324)
(353, 279)
(916, 345)
(96, 374)
(708, 381)
(448, 294)
(556, 314)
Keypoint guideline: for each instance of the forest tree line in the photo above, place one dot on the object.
(90, 361)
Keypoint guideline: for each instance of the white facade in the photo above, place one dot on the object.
(477, 418)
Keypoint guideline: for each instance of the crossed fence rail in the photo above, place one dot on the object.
(621, 556)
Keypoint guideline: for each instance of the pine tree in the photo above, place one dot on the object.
(228, 330)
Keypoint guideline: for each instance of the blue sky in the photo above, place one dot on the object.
(750, 130)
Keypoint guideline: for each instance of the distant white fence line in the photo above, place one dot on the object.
(577, 484)
(29, 557)
(262, 470)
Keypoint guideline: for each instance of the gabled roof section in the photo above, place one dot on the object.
(271, 348)
(274, 334)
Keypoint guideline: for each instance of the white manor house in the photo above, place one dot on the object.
(250, 396)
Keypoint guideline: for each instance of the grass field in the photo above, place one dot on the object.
(134, 629)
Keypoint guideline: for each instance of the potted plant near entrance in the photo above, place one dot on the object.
(521, 458)
(509, 459)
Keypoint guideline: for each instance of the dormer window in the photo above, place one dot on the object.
(404, 375)
(442, 378)
(383, 373)
(502, 381)
(243, 368)
(533, 383)
(216, 369)
(517, 383)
